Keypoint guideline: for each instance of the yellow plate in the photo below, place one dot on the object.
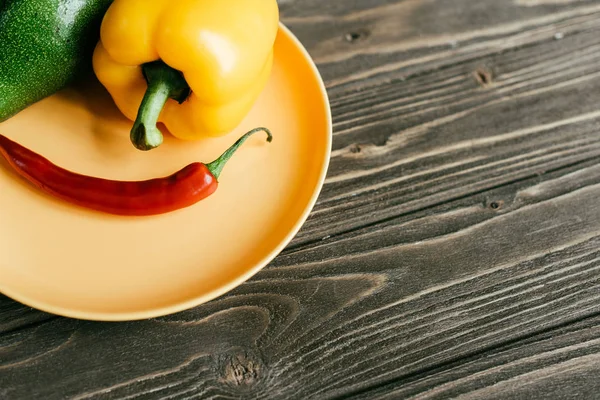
(78, 263)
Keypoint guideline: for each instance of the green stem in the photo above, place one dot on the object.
(164, 83)
(216, 167)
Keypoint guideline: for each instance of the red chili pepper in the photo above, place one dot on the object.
(182, 189)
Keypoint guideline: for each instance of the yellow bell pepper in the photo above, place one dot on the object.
(198, 66)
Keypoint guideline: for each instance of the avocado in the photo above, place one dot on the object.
(45, 45)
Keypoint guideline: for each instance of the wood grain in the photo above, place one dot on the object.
(14, 315)
(415, 143)
(558, 363)
(454, 252)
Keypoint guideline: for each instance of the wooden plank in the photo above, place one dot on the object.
(399, 38)
(460, 214)
(560, 363)
(411, 144)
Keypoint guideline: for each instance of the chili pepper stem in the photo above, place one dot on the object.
(164, 83)
(216, 167)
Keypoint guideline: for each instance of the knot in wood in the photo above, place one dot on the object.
(496, 205)
(355, 148)
(356, 35)
(484, 76)
(241, 370)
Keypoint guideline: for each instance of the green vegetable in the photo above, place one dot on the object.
(45, 45)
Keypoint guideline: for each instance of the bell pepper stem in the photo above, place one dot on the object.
(164, 83)
(144, 134)
(216, 167)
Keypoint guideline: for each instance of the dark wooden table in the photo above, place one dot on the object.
(454, 252)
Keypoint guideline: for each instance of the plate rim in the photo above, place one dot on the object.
(196, 301)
